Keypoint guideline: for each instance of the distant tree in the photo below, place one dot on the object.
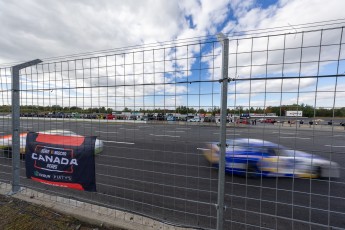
(56, 108)
(102, 110)
(215, 110)
(269, 109)
(276, 110)
(5, 108)
(308, 111)
(322, 112)
(340, 112)
(182, 110)
(202, 111)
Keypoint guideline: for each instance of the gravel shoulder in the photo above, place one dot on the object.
(18, 214)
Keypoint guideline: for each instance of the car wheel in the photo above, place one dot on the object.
(317, 171)
(251, 171)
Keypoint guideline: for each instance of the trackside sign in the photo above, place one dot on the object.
(294, 113)
(63, 161)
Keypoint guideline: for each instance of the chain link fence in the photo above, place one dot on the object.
(158, 112)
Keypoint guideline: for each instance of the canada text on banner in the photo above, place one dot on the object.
(63, 161)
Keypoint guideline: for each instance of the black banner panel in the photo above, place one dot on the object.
(63, 161)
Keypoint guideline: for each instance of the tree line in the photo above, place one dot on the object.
(308, 111)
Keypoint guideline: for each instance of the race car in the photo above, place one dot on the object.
(256, 158)
(6, 141)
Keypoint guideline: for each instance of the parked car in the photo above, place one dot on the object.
(209, 119)
(243, 121)
(6, 141)
(330, 122)
(160, 117)
(133, 117)
(171, 118)
(90, 116)
(269, 120)
(144, 118)
(254, 158)
(110, 117)
(150, 117)
(60, 115)
(195, 119)
(342, 123)
(261, 120)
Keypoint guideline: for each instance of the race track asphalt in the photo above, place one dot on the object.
(156, 169)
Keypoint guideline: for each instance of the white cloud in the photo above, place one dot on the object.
(35, 30)
(253, 56)
(31, 29)
(64, 27)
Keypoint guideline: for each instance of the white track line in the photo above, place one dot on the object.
(175, 131)
(129, 129)
(334, 146)
(286, 133)
(303, 138)
(202, 149)
(162, 135)
(105, 132)
(228, 134)
(183, 128)
(119, 142)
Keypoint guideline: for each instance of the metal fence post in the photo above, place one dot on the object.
(16, 123)
(223, 118)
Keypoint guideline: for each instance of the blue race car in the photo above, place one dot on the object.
(254, 158)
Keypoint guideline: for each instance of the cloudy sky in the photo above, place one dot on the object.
(33, 29)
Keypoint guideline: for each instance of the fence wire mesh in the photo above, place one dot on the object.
(157, 111)
(302, 72)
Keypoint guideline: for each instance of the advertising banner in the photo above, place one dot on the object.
(63, 161)
(294, 113)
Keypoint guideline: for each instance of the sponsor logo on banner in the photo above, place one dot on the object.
(54, 159)
(63, 161)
